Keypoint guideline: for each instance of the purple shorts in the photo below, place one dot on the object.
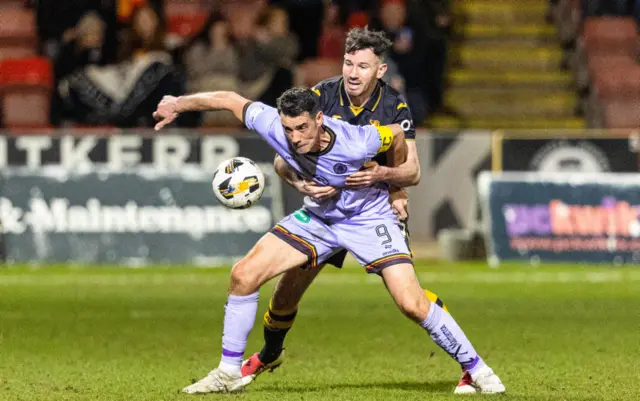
(376, 242)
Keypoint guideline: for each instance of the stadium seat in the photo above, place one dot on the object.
(604, 37)
(617, 81)
(17, 23)
(18, 36)
(25, 90)
(16, 50)
(610, 35)
(622, 113)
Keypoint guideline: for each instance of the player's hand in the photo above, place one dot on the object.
(369, 175)
(315, 191)
(166, 112)
(399, 199)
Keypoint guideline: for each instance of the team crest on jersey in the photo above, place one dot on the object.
(340, 168)
(375, 123)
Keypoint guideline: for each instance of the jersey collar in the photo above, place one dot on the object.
(332, 141)
(371, 104)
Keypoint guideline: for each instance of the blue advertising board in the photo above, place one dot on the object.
(562, 216)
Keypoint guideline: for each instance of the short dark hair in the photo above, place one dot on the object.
(295, 101)
(363, 38)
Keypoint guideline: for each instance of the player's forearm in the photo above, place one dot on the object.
(405, 175)
(285, 172)
(404, 167)
(205, 101)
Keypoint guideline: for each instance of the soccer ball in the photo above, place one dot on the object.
(238, 183)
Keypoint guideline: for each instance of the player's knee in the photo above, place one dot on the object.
(244, 277)
(414, 307)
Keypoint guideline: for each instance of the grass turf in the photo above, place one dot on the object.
(551, 333)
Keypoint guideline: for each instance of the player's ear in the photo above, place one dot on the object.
(320, 118)
(382, 69)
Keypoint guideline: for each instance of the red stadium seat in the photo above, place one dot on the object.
(622, 113)
(25, 87)
(619, 81)
(36, 71)
(610, 35)
(17, 23)
(16, 50)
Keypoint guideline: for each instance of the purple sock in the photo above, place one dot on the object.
(239, 316)
(445, 332)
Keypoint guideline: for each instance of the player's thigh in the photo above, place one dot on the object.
(406, 291)
(375, 242)
(291, 286)
(309, 235)
(269, 257)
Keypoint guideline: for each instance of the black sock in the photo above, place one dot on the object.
(276, 326)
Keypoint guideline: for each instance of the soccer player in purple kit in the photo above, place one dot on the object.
(360, 220)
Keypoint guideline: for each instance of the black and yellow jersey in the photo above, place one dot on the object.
(385, 106)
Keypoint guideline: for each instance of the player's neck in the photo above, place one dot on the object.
(361, 100)
(324, 139)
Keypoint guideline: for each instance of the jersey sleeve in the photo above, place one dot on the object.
(260, 118)
(402, 116)
(377, 139)
(321, 91)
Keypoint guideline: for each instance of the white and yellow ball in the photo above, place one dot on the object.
(238, 183)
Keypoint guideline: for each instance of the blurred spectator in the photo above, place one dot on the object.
(126, 94)
(81, 46)
(266, 58)
(144, 33)
(434, 19)
(55, 17)
(331, 44)
(211, 63)
(393, 77)
(210, 59)
(306, 24)
(407, 52)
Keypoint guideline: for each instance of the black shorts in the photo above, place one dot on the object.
(337, 259)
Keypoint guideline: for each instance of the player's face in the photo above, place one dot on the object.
(361, 70)
(302, 131)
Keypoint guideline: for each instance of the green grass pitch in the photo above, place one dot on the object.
(551, 333)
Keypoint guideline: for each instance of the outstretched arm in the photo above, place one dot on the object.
(170, 107)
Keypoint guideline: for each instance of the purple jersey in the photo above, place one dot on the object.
(349, 149)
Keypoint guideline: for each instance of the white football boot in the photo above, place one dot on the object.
(482, 381)
(218, 381)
